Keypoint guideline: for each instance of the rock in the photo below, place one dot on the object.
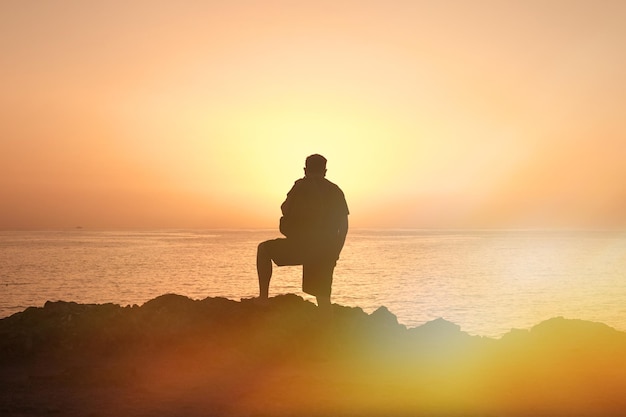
(285, 354)
(384, 317)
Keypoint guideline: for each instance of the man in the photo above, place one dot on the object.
(315, 225)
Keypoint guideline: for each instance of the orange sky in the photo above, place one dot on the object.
(199, 114)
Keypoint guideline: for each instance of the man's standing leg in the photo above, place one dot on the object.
(317, 278)
(324, 305)
(264, 269)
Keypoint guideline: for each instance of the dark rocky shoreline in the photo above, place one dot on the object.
(177, 356)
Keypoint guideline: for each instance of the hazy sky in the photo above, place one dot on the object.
(121, 114)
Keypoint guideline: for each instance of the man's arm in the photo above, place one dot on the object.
(342, 232)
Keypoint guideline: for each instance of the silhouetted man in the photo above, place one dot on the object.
(315, 224)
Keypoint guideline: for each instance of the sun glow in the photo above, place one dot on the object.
(427, 118)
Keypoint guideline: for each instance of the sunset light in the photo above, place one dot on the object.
(313, 207)
(432, 114)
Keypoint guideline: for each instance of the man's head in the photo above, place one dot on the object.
(315, 166)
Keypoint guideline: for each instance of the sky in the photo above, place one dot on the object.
(199, 114)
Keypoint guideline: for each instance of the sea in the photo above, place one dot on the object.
(486, 281)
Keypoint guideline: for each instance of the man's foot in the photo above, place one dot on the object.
(257, 301)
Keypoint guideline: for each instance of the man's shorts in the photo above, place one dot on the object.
(317, 269)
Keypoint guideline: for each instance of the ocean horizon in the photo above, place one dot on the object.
(486, 281)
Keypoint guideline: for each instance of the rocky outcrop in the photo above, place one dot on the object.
(285, 358)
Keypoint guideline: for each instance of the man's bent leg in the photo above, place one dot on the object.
(279, 251)
(264, 269)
